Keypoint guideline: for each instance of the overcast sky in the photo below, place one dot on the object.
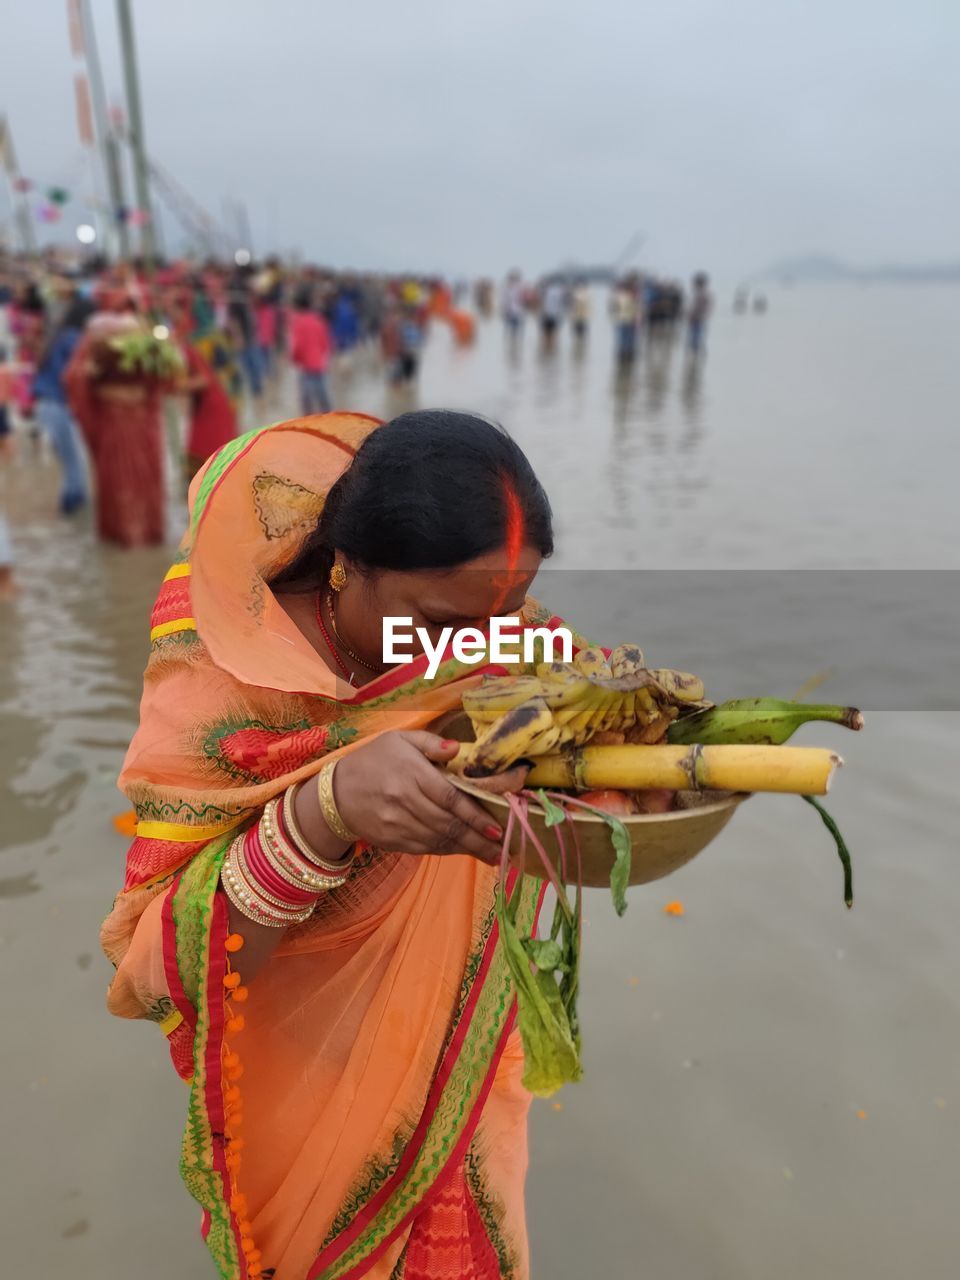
(441, 134)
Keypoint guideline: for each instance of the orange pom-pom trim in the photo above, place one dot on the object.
(233, 1106)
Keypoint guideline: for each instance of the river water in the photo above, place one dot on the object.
(771, 1081)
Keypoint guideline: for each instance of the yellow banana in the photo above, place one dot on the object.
(626, 660)
(499, 694)
(680, 685)
(509, 739)
(593, 662)
(564, 704)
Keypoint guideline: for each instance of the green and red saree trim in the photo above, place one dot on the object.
(441, 1140)
(194, 932)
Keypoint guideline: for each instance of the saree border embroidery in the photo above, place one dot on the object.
(490, 1214)
(376, 1173)
(255, 750)
(450, 1116)
(283, 505)
(199, 919)
(221, 462)
(232, 452)
(172, 611)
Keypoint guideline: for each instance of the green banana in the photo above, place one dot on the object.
(756, 720)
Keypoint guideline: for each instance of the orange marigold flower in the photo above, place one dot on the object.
(126, 823)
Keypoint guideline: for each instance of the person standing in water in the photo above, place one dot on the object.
(8, 582)
(53, 412)
(625, 309)
(698, 313)
(580, 310)
(310, 348)
(512, 303)
(552, 307)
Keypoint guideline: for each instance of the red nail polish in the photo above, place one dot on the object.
(492, 832)
(447, 743)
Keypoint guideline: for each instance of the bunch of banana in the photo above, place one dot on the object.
(566, 704)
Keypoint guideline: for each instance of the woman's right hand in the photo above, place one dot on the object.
(390, 793)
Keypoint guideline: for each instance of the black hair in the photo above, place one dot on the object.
(32, 299)
(78, 312)
(431, 489)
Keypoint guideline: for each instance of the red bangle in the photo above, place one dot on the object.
(265, 875)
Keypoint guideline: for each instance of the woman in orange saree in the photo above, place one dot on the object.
(356, 1110)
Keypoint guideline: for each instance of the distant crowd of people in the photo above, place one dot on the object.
(640, 306)
(234, 330)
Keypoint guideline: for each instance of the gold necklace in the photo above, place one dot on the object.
(339, 639)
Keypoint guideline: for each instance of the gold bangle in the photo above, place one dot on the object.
(247, 901)
(340, 868)
(328, 805)
(290, 862)
(248, 908)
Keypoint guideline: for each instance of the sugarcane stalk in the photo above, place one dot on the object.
(794, 770)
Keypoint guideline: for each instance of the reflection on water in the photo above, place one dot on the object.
(728, 1054)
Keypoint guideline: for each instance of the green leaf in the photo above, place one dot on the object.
(551, 1046)
(843, 853)
(545, 953)
(623, 861)
(552, 812)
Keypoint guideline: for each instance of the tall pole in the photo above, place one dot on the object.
(243, 223)
(141, 170)
(18, 198)
(106, 133)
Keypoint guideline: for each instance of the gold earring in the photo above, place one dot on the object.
(338, 576)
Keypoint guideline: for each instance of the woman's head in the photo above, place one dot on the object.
(78, 312)
(440, 517)
(31, 299)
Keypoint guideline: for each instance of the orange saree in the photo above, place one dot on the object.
(358, 1111)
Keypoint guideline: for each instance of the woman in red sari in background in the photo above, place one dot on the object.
(28, 321)
(121, 418)
(213, 418)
